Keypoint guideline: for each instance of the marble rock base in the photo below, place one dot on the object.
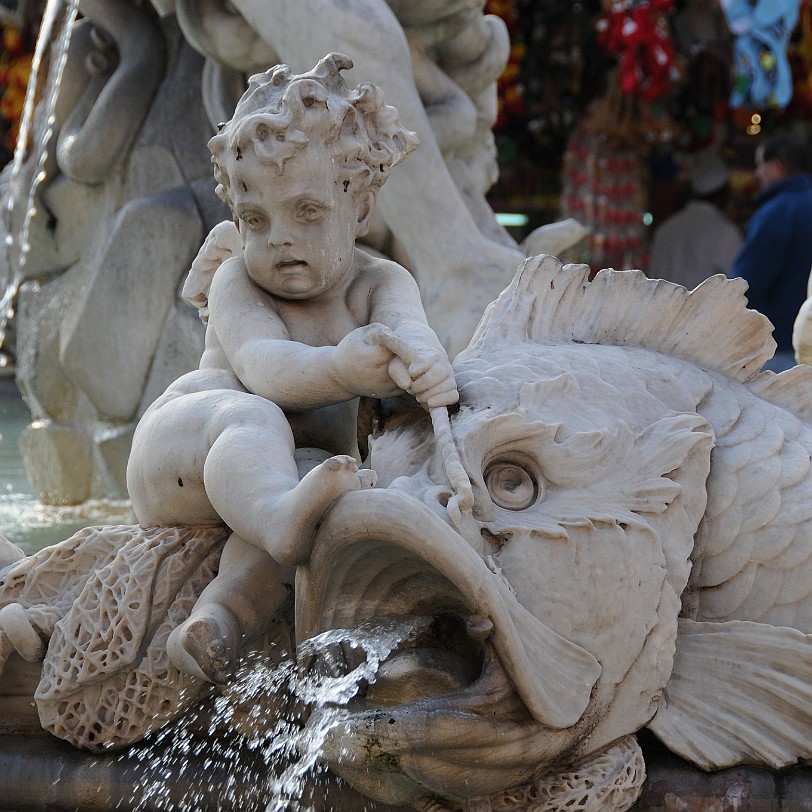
(40, 772)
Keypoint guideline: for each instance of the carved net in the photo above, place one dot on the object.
(106, 679)
(608, 782)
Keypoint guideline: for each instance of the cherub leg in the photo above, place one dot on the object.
(240, 604)
(252, 481)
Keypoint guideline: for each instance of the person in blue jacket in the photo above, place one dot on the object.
(776, 257)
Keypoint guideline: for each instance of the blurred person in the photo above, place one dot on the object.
(698, 240)
(777, 252)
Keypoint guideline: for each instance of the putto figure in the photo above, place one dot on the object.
(301, 323)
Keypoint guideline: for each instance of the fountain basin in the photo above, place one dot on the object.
(40, 772)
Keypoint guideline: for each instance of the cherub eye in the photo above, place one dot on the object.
(310, 212)
(511, 486)
(254, 221)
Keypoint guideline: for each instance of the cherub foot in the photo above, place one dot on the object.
(320, 487)
(342, 472)
(303, 507)
(206, 645)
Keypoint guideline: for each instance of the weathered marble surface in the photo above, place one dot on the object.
(635, 557)
(100, 329)
(300, 325)
(437, 63)
(41, 772)
(610, 532)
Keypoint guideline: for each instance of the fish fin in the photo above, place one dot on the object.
(789, 389)
(709, 326)
(739, 693)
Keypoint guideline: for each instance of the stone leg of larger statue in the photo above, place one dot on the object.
(99, 330)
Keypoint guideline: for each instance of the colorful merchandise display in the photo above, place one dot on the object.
(637, 32)
(603, 188)
(763, 76)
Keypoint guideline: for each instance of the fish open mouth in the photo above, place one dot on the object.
(480, 682)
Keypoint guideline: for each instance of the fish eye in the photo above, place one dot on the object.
(510, 485)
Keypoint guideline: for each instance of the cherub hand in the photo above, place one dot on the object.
(362, 363)
(428, 376)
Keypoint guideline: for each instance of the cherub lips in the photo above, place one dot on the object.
(290, 264)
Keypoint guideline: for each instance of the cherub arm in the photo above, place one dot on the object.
(293, 375)
(426, 371)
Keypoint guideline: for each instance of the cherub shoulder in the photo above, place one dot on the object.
(230, 276)
(375, 273)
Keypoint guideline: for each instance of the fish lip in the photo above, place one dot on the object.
(362, 526)
(500, 714)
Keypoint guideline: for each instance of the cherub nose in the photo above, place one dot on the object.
(278, 236)
(279, 241)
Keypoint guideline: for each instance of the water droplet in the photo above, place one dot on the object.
(269, 726)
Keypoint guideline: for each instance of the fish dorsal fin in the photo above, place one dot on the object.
(710, 326)
(739, 693)
(789, 389)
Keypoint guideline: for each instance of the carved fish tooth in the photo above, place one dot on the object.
(479, 627)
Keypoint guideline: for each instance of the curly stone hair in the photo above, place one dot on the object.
(281, 112)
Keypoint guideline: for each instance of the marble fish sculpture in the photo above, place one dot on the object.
(638, 553)
(639, 550)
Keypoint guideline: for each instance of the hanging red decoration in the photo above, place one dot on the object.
(637, 32)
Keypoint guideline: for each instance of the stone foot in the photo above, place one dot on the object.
(300, 509)
(206, 645)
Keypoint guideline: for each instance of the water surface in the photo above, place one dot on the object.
(24, 521)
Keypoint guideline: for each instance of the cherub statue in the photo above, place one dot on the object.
(300, 324)
(438, 63)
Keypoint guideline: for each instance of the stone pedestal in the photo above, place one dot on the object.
(41, 772)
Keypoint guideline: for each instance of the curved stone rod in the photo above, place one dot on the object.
(99, 131)
(73, 84)
(221, 87)
(463, 499)
(217, 30)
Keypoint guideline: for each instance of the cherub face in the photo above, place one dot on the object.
(299, 228)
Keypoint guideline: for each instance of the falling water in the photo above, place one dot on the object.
(36, 131)
(260, 746)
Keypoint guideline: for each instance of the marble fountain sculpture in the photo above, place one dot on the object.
(609, 531)
(111, 196)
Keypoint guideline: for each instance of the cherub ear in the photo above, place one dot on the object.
(364, 205)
